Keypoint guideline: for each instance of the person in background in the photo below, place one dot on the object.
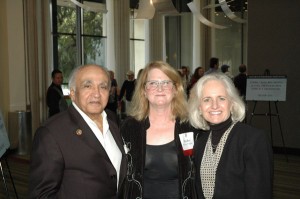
(158, 137)
(198, 73)
(240, 81)
(233, 159)
(113, 96)
(185, 76)
(127, 89)
(224, 69)
(55, 97)
(213, 65)
(79, 153)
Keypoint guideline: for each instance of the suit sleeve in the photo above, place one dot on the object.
(259, 167)
(123, 89)
(47, 165)
(53, 98)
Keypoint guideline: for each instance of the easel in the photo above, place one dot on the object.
(4, 157)
(270, 114)
(268, 88)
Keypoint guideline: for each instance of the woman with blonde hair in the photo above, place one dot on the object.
(158, 137)
(233, 159)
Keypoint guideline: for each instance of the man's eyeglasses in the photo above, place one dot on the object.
(153, 85)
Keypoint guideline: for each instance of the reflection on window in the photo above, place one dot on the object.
(94, 50)
(92, 23)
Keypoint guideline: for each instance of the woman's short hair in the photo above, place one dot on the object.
(140, 104)
(196, 117)
(75, 71)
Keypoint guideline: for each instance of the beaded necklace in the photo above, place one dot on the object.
(209, 163)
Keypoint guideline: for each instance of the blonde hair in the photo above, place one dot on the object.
(237, 109)
(140, 105)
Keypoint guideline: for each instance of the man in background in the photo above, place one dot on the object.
(127, 90)
(225, 69)
(240, 81)
(55, 97)
(213, 65)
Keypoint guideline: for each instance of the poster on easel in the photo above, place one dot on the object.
(266, 88)
(4, 142)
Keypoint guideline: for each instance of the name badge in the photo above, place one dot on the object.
(187, 142)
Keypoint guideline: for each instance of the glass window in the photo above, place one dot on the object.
(66, 19)
(92, 23)
(79, 34)
(230, 43)
(66, 54)
(94, 50)
(137, 44)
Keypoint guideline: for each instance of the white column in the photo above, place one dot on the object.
(121, 36)
(156, 38)
(110, 45)
(196, 47)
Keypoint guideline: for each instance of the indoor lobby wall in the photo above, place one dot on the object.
(13, 86)
(4, 99)
(273, 43)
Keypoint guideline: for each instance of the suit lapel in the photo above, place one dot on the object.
(85, 134)
(116, 134)
(118, 139)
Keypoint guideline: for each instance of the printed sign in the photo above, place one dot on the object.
(266, 88)
(4, 142)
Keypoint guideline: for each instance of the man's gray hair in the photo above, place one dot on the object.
(73, 75)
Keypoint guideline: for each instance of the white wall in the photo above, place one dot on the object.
(16, 55)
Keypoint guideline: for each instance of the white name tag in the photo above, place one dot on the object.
(187, 142)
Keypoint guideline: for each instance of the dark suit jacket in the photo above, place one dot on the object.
(245, 170)
(70, 165)
(52, 98)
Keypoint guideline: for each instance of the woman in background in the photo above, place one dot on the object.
(198, 73)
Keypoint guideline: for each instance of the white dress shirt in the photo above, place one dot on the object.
(105, 138)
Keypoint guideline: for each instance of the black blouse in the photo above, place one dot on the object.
(161, 172)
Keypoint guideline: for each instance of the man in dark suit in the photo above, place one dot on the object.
(55, 97)
(240, 81)
(79, 154)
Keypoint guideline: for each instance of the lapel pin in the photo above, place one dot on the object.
(78, 132)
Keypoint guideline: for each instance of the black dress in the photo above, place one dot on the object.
(161, 172)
